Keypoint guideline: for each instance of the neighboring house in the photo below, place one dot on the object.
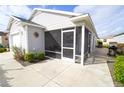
(119, 38)
(4, 41)
(107, 40)
(68, 36)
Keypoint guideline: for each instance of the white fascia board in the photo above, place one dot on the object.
(84, 17)
(24, 23)
(9, 23)
(15, 18)
(58, 12)
(79, 18)
(32, 14)
(93, 26)
(13, 33)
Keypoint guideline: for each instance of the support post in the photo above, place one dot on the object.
(82, 43)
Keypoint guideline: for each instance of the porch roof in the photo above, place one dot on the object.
(86, 19)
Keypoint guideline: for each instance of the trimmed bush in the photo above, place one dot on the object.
(105, 46)
(29, 57)
(40, 56)
(99, 44)
(2, 50)
(119, 69)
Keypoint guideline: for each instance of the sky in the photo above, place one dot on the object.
(108, 20)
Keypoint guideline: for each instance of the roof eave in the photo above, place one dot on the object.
(34, 25)
(81, 17)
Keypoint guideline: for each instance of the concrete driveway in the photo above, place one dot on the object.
(52, 73)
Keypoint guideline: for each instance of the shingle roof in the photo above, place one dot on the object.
(28, 21)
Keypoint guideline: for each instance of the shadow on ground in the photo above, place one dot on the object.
(25, 64)
(4, 80)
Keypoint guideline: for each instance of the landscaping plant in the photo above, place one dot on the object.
(99, 44)
(120, 50)
(40, 55)
(119, 69)
(2, 50)
(105, 46)
(29, 57)
(33, 57)
(18, 53)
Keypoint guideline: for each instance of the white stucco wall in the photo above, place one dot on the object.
(52, 21)
(119, 39)
(35, 43)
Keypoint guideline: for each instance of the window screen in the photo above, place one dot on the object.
(53, 40)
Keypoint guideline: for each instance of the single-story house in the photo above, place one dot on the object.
(107, 40)
(64, 35)
(4, 41)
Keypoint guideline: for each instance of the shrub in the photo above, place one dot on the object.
(40, 56)
(18, 53)
(105, 46)
(119, 69)
(120, 50)
(29, 57)
(2, 50)
(34, 57)
(99, 44)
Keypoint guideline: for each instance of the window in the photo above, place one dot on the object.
(68, 38)
(78, 41)
(53, 40)
(68, 53)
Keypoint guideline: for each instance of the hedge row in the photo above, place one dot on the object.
(2, 50)
(119, 69)
(32, 57)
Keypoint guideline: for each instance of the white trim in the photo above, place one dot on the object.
(15, 32)
(68, 47)
(31, 24)
(74, 44)
(78, 55)
(61, 44)
(72, 48)
(27, 41)
(51, 57)
(79, 18)
(70, 30)
(52, 51)
(82, 44)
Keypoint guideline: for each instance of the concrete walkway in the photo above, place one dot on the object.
(52, 73)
